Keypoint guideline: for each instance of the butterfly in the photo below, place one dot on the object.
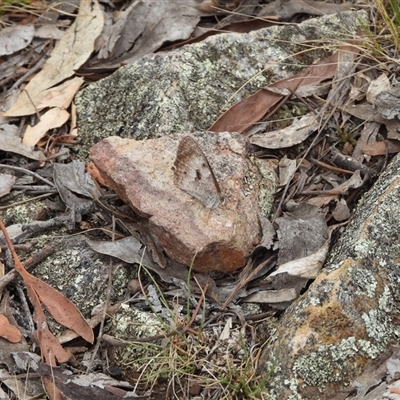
(194, 175)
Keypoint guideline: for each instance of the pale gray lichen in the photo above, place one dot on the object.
(377, 325)
(250, 181)
(385, 301)
(21, 213)
(368, 348)
(187, 89)
(369, 283)
(267, 187)
(326, 365)
(128, 325)
(81, 274)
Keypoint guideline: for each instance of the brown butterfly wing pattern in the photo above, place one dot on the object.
(193, 173)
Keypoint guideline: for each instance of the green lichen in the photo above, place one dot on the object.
(378, 326)
(266, 187)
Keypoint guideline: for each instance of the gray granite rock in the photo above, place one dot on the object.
(187, 89)
(349, 316)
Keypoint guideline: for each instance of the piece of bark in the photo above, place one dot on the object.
(215, 238)
(349, 316)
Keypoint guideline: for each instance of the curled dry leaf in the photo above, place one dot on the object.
(62, 309)
(294, 134)
(72, 51)
(305, 267)
(8, 331)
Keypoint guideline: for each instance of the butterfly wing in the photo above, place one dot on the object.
(194, 175)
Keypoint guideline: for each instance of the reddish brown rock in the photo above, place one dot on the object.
(218, 239)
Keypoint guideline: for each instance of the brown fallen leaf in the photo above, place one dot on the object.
(241, 116)
(379, 148)
(8, 331)
(62, 310)
(51, 389)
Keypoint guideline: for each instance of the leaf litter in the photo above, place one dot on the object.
(325, 156)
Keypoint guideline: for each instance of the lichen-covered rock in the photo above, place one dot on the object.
(217, 238)
(185, 90)
(80, 273)
(128, 325)
(350, 314)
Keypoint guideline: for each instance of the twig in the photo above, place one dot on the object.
(28, 265)
(26, 201)
(30, 72)
(35, 188)
(103, 319)
(26, 309)
(331, 167)
(27, 171)
(201, 299)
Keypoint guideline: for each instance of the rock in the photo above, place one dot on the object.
(80, 273)
(185, 90)
(128, 325)
(349, 316)
(216, 238)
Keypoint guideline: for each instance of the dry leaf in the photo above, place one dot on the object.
(62, 309)
(15, 38)
(272, 296)
(54, 118)
(377, 86)
(341, 211)
(142, 29)
(72, 51)
(379, 148)
(51, 389)
(50, 347)
(61, 96)
(297, 132)
(286, 9)
(305, 267)
(11, 142)
(8, 331)
(247, 112)
(6, 183)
